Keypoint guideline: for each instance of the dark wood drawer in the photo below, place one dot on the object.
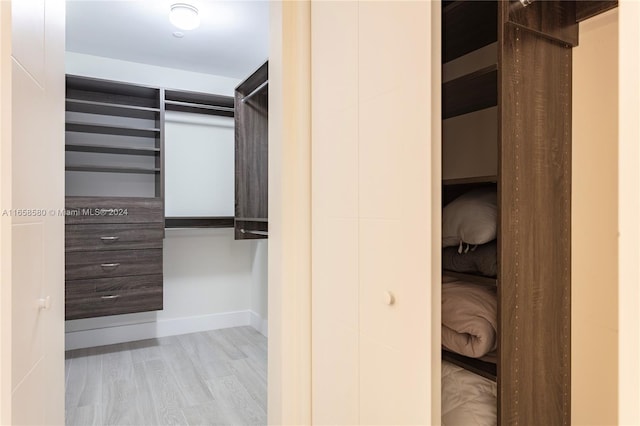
(114, 263)
(113, 237)
(86, 210)
(112, 296)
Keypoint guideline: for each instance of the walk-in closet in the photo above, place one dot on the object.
(166, 215)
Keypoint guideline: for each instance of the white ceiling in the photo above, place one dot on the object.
(232, 40)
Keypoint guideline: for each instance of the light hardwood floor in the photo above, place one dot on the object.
(210, 378)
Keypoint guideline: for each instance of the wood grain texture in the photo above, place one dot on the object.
(113, 237)
(534, 253)
(164, 381)
(251, 150)
(589, 9)
(112, 263)
(553, 19)
(95, 297)
(88, 210)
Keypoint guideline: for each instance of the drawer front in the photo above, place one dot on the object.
(114, 263)
(113, 237)
(113, 296)
(86, 210)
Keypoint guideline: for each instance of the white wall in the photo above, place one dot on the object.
(594, 199)
(629, 212)
(150, 75)
(210, 280)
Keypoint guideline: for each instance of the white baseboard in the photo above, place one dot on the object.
(162, 328)
(258, 323)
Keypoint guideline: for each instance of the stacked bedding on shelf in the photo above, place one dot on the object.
(469, 319)
(467, 399)
(469, 310)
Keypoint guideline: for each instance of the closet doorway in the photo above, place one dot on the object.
(166, 139)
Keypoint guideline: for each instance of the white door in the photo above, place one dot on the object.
(373, 127)
(32, 197)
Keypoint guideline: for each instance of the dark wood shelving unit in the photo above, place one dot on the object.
(469, 93)
(530, 83)
(251, 157)
(111, 149)
(471, 278)
(482, 368)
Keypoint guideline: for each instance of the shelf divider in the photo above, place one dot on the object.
(110, 149)
(485, 369)
(109, 129)
(111, 169)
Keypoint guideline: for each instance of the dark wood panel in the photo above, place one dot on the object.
(251, 153)
(109, 129)
(586, 9)
(86, 210)
(198, 222)
(113, 236)
(113, 296)
(553, 19)
(196, 98)
(198, 108)
(468, 25)
(482, 368)
(534, 253)
(115, 263)
(111, 149)
(470, 93)
(103, 108)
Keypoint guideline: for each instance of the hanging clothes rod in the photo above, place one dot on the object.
(246, 231)
(255, 91)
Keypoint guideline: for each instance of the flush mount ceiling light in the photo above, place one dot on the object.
(184, 16)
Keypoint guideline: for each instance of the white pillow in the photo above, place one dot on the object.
(471, 218)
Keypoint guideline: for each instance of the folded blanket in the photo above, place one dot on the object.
(469, 318)
(467, 399)
(480, 260)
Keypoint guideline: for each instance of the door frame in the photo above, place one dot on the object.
(5, 202)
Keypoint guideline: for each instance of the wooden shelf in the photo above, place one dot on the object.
(108, 129)
(470, 180)
(110, 149)
(104, 108)
(199, 222)
(111, 169)
(472, 92)
(471, 278)
(468, 25)
(198, 108)
(482, 368)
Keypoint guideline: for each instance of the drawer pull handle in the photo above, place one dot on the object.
(109, 238)
(109, 265)
(115, 296)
